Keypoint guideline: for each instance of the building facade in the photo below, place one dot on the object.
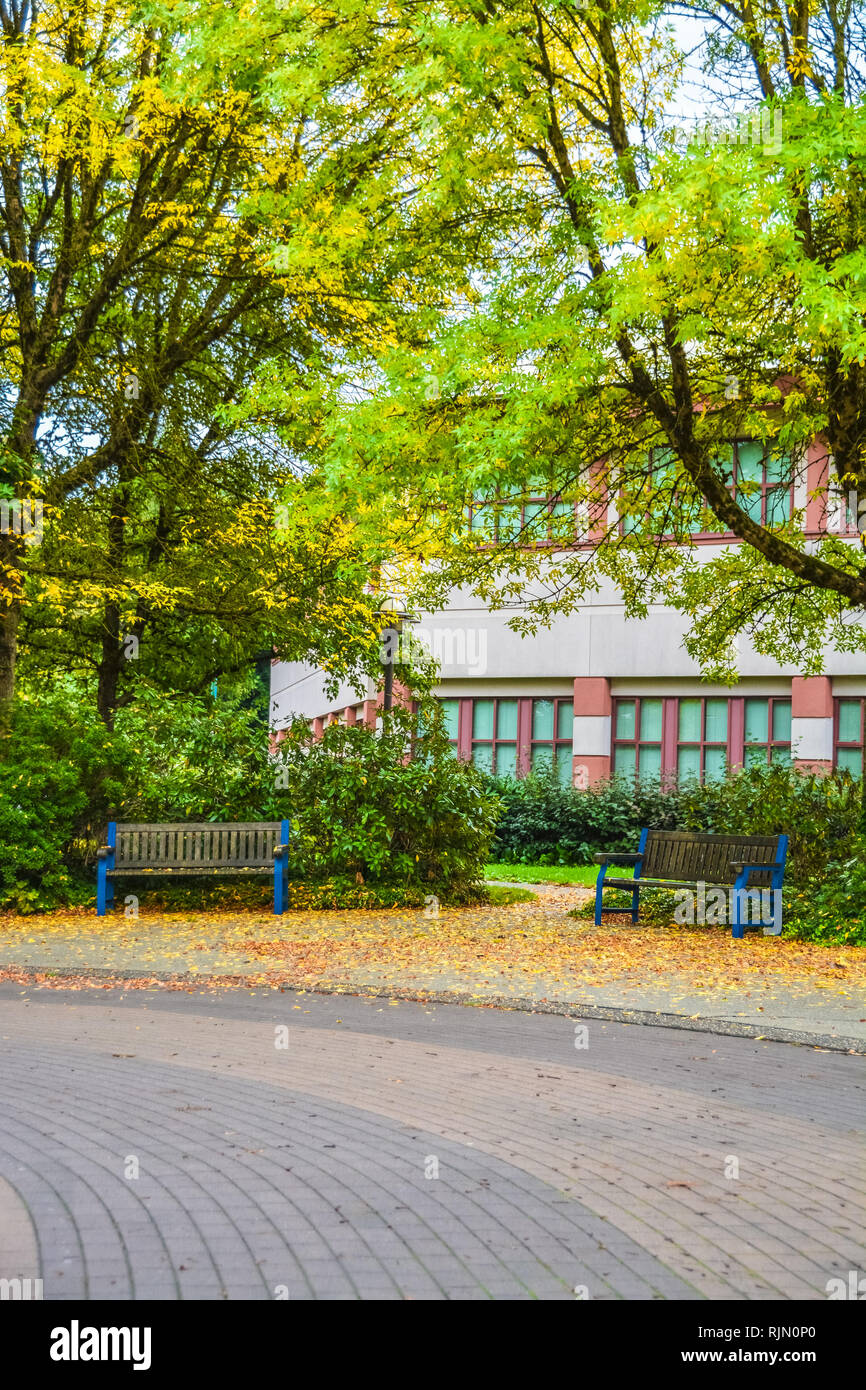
(598, 694)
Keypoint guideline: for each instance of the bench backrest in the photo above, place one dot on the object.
(247, 843)
(684, 854)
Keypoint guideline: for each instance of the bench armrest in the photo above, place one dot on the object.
(617, 858)
(104, 851)
(280, 850)
(741, 864)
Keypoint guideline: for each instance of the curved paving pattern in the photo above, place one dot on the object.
(415, 1152)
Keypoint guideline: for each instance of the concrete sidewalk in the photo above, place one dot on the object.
(527, 956)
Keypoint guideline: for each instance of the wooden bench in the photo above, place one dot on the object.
(249, 848)
(683, 859)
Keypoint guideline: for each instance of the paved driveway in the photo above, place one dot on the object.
(170, 1145)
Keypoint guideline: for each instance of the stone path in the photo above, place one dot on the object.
(167, 1145)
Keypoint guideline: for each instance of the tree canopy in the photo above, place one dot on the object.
(644, 291)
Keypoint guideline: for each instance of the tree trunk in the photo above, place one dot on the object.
(109, 666)
(9, 615)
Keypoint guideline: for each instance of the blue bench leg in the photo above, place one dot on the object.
(737, 928)
(599, 886)
(280, 885)
(101, 888)
(635, 897)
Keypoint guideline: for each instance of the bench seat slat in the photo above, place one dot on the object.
(199, 870)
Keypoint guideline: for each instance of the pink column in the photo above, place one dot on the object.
(812, 723)
(819, 503)
(368, 714)
(593, 707)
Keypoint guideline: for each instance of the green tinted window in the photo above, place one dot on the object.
(650, 720)
(482, 756)
(849, 721)
(506, 759)
(717, 721)
(565, 720)
(451, 712)
(542, 719)
(563, 766)
(714, 764)
(690, 721)
(688, 763)
(757, 714)
(506, 719)
(850, 760)
(624, 762)
(650, 763)
(782, 721)
(482, 719)
(625, 719)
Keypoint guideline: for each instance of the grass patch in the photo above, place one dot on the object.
(542, 873)
(497, 894)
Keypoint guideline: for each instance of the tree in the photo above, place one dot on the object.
(179, 233)
(643, 299)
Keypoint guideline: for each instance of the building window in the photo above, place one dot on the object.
(698, 738)
(553, 737)
(537, 517)
(767, 732)
(451, 719)
(637, 739)
(850, 736)
(666, 497)
(510, 736)
(763, 486)
(702, 739)
(494, 736)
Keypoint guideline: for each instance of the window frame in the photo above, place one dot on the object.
(703, 743)
(501, 503)
(670, 742)
(766, 490)
(464, 743)
(636, 742)
(495, 741)
(839, 743)
(557, 743)
(771, 743)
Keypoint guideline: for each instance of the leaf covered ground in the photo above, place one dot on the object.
(523, 950)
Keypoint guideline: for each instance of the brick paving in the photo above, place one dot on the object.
(415, 1151)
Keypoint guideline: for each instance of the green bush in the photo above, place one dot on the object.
(361, 806)
(819, 814)
(362, 813)
(831, 908)
(59, 775)
(545, 823)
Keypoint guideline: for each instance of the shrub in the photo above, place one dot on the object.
(820, 814)
(545, 823)
(361, 806)
(59, 774)
(831, 908)
(363, 815)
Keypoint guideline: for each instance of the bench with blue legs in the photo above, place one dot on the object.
(247, 848)
(683, 859)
